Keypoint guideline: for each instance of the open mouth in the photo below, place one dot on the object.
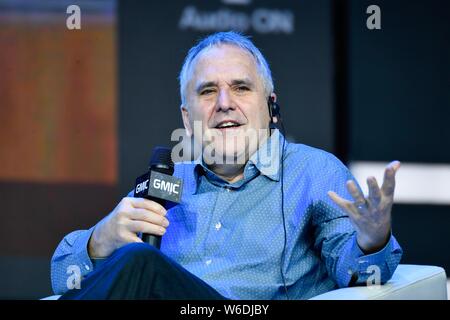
(227, 125)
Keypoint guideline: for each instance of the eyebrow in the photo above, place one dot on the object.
(204, 85)
(244, 81)
(236, 82)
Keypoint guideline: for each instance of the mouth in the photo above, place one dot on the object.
(228, 125)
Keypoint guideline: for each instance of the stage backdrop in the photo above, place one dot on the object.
(58, 133)
(399, 103)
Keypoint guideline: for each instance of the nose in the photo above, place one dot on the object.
(224, 101)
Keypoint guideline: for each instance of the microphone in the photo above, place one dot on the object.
(159, 185)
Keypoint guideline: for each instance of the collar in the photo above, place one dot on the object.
(266, 160)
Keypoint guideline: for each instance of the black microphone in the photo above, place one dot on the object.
(159, 185)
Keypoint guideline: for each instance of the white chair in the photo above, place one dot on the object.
(409, 282)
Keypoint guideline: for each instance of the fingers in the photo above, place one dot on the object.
(341, 202)
(135, 238)
(148, 204)
(139, 215)
(355, 193)
(388, 186)
(396, 165)
(137, 226)
(149, 216)
(374, 191)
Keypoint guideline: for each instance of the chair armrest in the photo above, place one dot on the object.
(409, 282)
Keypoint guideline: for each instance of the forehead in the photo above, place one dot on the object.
(223, 62)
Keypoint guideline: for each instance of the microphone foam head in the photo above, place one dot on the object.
(162, 157)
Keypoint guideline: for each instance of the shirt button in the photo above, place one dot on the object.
(208, 262)
(87, 267)
(228, 189)
(218, 226)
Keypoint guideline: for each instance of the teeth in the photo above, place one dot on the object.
(227, 124)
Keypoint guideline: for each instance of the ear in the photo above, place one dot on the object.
(186, 122)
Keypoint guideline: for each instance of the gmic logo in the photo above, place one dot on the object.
(166, 186)
(141, 186)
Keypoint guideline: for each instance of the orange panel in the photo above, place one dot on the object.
(58, 102)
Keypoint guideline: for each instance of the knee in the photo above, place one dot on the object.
(137, 252)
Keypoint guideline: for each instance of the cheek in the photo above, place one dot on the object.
(196, 117)
(199, 121)
(258, 116)
(202, 110)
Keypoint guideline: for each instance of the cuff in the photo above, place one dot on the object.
(355, 267)
(81, 252)
(363, 261)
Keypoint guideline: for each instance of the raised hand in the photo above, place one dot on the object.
(371, 215)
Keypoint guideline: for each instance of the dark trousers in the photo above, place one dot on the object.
(139, 271)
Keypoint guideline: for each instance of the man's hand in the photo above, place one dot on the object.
(371, 216)
(121, 226)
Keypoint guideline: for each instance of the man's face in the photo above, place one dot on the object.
(226, 94)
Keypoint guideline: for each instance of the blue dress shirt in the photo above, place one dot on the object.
(231, 235)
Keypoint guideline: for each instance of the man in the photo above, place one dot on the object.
(292, 229)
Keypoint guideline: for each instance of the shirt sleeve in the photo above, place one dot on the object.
(356, 268)
(335, 236)
(71, 260)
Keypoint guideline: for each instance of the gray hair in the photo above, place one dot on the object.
(232, 38)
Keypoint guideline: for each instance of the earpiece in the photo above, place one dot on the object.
(274, 109)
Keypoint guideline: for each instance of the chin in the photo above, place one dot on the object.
(232, 156)
(234, 146)
(225, 152)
